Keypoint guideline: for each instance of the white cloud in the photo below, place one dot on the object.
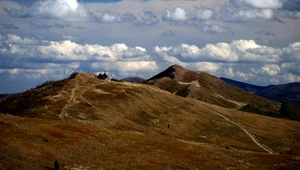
(14, 46)
(291, 53)
(244, 76)
(109, 16)
(49, 71)
(181, 16)
(40, 57)
(191, 53)
(63, 57)
(229, 72)
(248, 15)
(214, 29)
(130, 66)
(289, 77)
(249, 10)
(242, 51)
(70, 10)
(204, 13)
(264, 3)
(209, 67)
(255, 14)
(146, 18)
(176, 15)
(271, 69)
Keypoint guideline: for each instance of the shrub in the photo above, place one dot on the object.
(117, 80)
(44, 84)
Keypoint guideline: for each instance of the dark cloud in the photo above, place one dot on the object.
(288, 14)
(129, 17)
(203, 13)
(290, 9)
(148, 18)
(214, 29)
(263, 40)
(109, 16)
(168, 33)
(45, 26)
(265, 33)
(291, 5)
(10, 26)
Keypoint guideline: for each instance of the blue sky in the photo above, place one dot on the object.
(254, 41)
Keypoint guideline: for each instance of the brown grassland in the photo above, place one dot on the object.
(86, 123)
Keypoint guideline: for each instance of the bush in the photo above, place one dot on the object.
(73, 75)
(44, 84)
(117, 80)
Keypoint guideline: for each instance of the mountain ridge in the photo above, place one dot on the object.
(289, 92)
(205, 87)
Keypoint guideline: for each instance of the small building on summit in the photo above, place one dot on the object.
(103, 76)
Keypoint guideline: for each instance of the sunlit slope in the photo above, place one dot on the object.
(205, 87)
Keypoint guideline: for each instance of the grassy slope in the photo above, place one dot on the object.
(115, 125)
(211, 89)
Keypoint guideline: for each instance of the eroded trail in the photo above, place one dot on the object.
(82, 98)
(252, 137)
(73, 96)
(63, 115)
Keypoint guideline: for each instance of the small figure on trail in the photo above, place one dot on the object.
(56, 165)
(169, 125)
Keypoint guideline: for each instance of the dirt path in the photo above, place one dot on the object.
(252, 137)
(63, 115)
(82, 98)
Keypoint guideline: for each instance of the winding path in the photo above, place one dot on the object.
(82, 98)
(63, 115)
(252, 137)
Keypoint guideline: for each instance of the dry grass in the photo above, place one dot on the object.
(92, 147)
(211, 89)
(126, 127)
(281, 135)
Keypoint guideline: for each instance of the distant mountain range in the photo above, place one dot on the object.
(281, 93)
(134, 79)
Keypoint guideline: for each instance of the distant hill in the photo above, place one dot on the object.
(208, 88)
(2, 96)
(245, 86)
(133, 79)
(281, 93)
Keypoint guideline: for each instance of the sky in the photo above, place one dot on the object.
(253, 41)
